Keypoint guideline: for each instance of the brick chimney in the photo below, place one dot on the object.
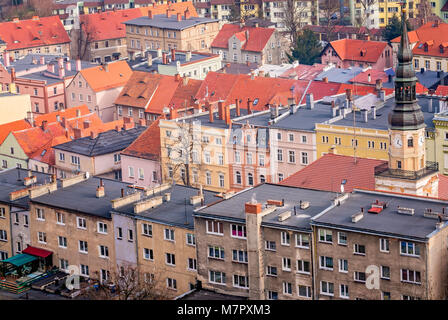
(93, 134)
(173, 113)
(227, 115)
(187, 14)
(164, 58)
(44, 125)
(179, 17)
(61, 72)
(13, 75)
(86, 124)
(209, 107)
(42, 60)
(128, 123)
(177, 77)
(50, 68)
(238, 110)
(68, 66)
(173, 54)
(221, 110)
(149, 14)
(325, 79)
(77, 133)
(252, 208)
(167, 13)
(249, 106)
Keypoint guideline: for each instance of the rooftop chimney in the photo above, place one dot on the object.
(78, 65)
(221, 110)
(179, 17)
(325, 79)
(252, 208)
(50, 67)
(164, 60)
(6, 60)
(100, 192)
(68, 66)
(249, 106)
(149, 14)
(173, 54)
(61, 72)
(42, 60)
(364, 115)
(93, 134)
(167, 13)
(227, 115)
(237, 105)
(173, 113)
(187, 14)
(309, 101)
(44, 125)
(188, 56)
(373, 112)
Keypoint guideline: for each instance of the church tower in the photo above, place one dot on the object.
(407, 171)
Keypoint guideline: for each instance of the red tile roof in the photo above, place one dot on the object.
(442, 90)
(185, 92)
(304, 72)
(109, 24)
(114, 74)
(433, 36)
(67, 113)
(147, 145)
(361, 90)
(258, 37)
(34, 32)
(6, 128)
(350, 49)
(150, 91)
(327, 173)
(443, 187)
(363, 77)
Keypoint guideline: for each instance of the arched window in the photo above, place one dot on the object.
(250, 179)
(238, 177)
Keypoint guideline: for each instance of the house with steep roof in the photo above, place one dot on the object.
(140, 161)
(248, 44)
(43, 77)
(29, 145)
(346, 53)
(147, 96)
(98, 87)
(429, 45)
(98, 154)
(40, 35)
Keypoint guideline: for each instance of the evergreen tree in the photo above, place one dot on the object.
(393, 28)
(307, 49)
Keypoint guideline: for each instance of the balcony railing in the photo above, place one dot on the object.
(385, 171)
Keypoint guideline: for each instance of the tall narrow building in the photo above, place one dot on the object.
(407, 171)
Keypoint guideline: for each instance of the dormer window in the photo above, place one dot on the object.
(234, 45)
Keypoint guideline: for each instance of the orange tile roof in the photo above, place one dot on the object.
(432, 35)
(109, 24)
(117, 74)
(185, 92)
(327, 173)
(442, 90)
(350, 49)
(6, 128)
(361, 90)
(147, 145)
(34, 32)
(178, 7)
(67, 113)
(443, 187)
(258, 37)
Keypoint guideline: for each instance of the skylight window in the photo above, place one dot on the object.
(255, 102)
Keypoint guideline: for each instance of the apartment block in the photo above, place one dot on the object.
(170, 31)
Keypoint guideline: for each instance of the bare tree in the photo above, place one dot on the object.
(424, 11)
(185, 151)
(130, 283)
(82, 38)
(362, 19)
(293, 16)
(329, 10)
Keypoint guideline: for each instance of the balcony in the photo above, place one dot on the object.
(383, 170)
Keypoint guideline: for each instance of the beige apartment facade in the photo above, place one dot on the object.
(179, 32)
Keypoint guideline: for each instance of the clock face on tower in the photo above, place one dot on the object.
(421, 140)
(397, 141)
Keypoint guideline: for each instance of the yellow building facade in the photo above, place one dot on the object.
(194, 152)
(14, 106)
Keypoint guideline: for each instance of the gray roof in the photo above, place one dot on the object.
(234, 208)
(141, 63)
(381, 121)
(12, 180)
(26, 63)
(204, 294)
(177, 212)
(340, 75)
(81, 197)
(163, 22)
(106, 142)
(431, 79)
(387, 222)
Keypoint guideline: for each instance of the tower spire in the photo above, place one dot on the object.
(406, 114)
